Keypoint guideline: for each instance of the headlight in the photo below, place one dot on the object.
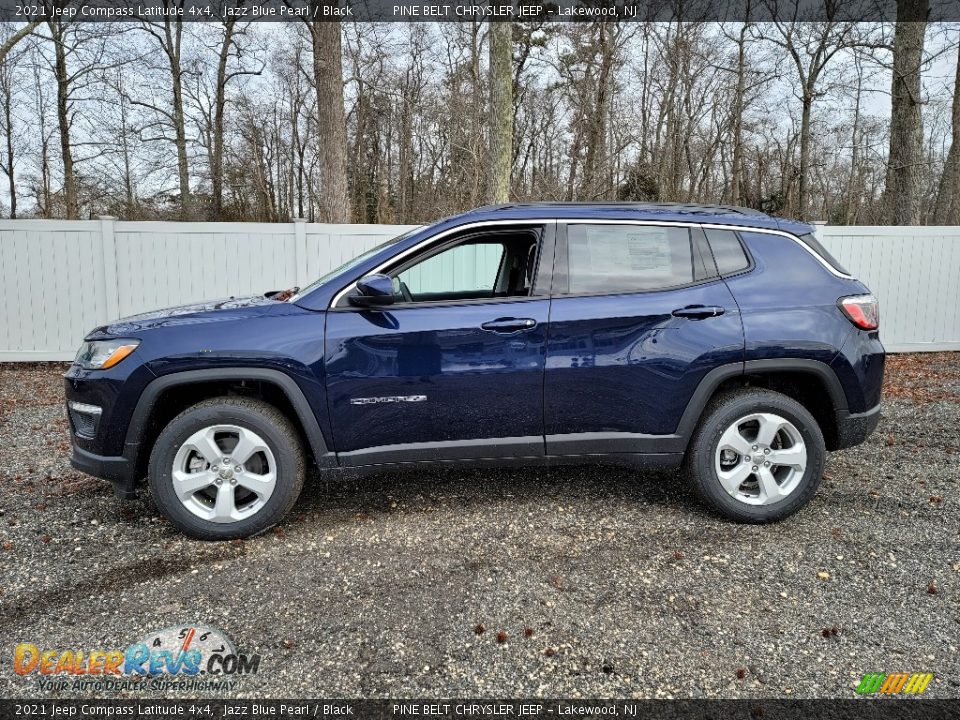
(103, 354)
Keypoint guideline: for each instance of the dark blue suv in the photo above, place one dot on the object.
(712, 338)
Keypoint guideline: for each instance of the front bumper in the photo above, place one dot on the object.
(854, 428)
(118, 470)
(103, 450)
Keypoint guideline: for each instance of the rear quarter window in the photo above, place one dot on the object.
(728, 251)
(811, 240)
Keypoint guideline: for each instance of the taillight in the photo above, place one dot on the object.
(862, 310)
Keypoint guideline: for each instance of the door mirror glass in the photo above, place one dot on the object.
(374, 289)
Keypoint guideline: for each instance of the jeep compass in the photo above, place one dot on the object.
(716, 340)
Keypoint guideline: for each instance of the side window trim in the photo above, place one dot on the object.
(561, 263)
(700, 246)
(546, 257)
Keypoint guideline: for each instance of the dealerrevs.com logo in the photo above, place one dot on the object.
(186, 657)
(894, 683)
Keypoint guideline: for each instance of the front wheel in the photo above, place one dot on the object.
(226, 468)
(757, 456)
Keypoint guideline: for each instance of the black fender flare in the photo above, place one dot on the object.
(712, 380)
(305, 415)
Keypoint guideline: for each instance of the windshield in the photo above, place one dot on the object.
(349, 264)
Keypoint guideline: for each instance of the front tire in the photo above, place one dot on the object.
(757, 456)
(230, 467)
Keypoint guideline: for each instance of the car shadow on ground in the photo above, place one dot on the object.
(468, 488)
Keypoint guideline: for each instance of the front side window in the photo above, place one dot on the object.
(481, 265)
(611, 259)
(469, 269)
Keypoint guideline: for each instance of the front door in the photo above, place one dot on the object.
(454, 368)
(639, 317)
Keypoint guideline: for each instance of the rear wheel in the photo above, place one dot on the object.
(227, 468)
(757, 456)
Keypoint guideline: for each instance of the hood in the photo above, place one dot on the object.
(194, 313)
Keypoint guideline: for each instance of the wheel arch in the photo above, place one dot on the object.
(168, 394)
(810, 382)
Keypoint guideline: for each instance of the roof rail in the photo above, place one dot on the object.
(664, 206)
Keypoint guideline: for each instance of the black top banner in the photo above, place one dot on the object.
(467, 11)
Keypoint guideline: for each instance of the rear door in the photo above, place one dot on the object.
(638, 317)
(453, 369)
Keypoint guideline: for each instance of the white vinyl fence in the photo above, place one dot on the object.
(59, 279)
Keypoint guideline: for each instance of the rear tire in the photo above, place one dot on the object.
(757, 456)
(210, 499)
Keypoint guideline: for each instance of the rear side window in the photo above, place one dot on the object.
(811, 240)
(727, 251)
(611, 259)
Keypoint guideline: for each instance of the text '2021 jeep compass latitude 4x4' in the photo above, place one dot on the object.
(714, 338)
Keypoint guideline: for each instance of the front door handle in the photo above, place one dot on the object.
(509, 325)
(699, 312)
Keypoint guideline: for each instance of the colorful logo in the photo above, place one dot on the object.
(187, 650)
(894, 683)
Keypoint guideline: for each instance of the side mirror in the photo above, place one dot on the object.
(374, 290)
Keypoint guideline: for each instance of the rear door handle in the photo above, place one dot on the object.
(699, 312)
(509, 325)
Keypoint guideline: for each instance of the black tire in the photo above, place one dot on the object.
(260, 417)
(720, 414)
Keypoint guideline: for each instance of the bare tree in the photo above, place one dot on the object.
(11, 40)
(10, 124)
(906, 130)
(334, 200)
(501, 111)
(811, 47)
(948, 196)
(168, 35)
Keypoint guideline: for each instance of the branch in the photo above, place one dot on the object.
(19, 35)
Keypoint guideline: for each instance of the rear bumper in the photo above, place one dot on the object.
(118, 470)
(854, 428)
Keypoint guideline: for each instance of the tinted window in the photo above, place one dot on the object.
(628, 258)
(811, 240)
(466, 269)
(727, 251)
(703, 265)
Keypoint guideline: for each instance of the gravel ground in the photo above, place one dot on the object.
(583, 582)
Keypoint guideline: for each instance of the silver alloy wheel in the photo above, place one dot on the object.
(760, 459)
(224, 473)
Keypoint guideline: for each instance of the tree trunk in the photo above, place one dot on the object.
(174, 33)
(902, 201)
(948, 195)
(220, 102)
(501, 111)
(333, 200)
(71, 205)
(596, 130)
(804, 154)
(8, 169)
(853, 187)
(736, 179)
(130, 202)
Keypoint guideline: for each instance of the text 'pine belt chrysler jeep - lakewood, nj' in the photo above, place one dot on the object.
(712, 338)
